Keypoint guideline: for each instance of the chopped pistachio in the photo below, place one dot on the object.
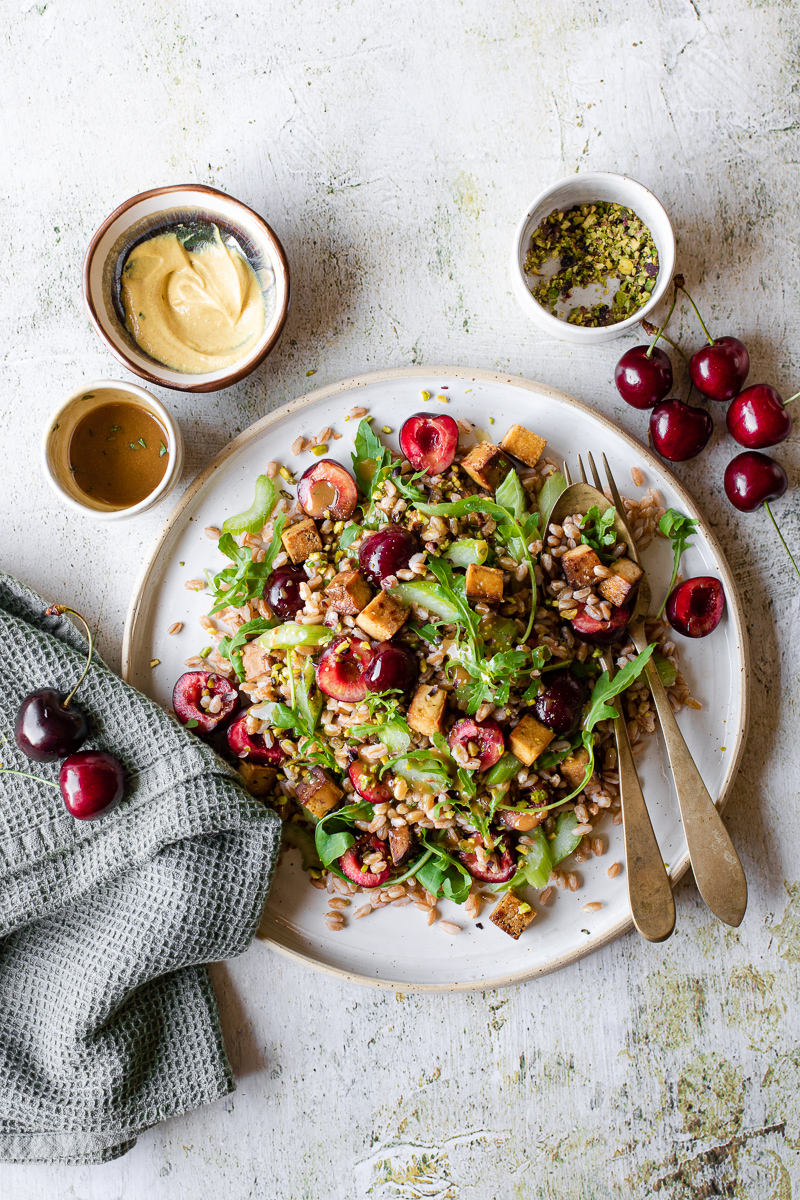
(386, 429)
(444, 399)
(154, 662)
(319, 450)
(204, 653)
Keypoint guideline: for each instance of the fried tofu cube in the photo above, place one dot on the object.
(513, 915)
(426, 711)
(382, 617)
(348, 592)
(524, 445)
(259, 781)
(254, 660)
(529, 739)
(573, 768)
(619, 586)
(301, 540)
(487, 465)
(579, 565)
(484, 583)
(318, 793)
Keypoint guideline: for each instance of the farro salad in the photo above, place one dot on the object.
(406, 666)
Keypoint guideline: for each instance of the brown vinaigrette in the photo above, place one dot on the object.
(118, 454)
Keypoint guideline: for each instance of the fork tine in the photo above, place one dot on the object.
(595, 473)
(612, 485)
(582, 469)
(566, 473)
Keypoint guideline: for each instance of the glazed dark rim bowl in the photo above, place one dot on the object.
(151, 212)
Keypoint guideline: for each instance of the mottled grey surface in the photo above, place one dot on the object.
(394, 149)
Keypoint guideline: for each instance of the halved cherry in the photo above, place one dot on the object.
(341, 668)
(328, 488)
(429, 443)
(252, 745)
(189, 690)
(486, 735)
(601, 633)
(364, 778)
(499, 867)
(351, 862)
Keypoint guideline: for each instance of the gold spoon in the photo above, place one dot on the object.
(717, 870)
(649, 892)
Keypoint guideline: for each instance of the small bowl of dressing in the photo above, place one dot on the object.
(187, 286)
(112, 451)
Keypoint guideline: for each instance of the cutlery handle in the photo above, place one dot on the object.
(717, 869)
(649, 891)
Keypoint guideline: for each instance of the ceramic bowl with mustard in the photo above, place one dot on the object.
(187, 286)
(112, 450)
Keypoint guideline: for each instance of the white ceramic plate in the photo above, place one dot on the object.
(395, 948)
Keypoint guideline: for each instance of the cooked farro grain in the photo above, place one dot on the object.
(212, 532)
(593, 907)
(614, 870)
(637, 476)
(195, 585)
(176, 627)
(338, 902)
(449, 927)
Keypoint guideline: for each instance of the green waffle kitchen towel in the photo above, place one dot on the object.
(108, 1023)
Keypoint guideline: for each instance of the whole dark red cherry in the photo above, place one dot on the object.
(752, 479)
(45, 729)
(392, 667)
(720, 369)
(92, 783)
(695, 607)
(559, 706)
(679, 430)
(757, 417)
(643, 376)
(47, 725)
(386, 552)
(282, 591)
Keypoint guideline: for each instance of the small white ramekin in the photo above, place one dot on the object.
(585, 189)
(59, 430)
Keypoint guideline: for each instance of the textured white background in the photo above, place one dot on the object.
(393, 149)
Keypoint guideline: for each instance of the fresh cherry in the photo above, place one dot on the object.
(757, 417)
(92, 783)
(191, 688)
(47, 726)
(499, 867)
(486, 736)
(282, 591)
(386, 552)
(392, 667)
(559, 706)
(600, 633)
(643, 376)
(752, 479)
(252, 746)
(679, 430)
(351, 862)
(695, 607)
(429, 443)
(342, 667)
(719, 369)
(365, 780)
(328, 488)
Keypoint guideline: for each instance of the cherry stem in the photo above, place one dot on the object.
(651, 329)
(57, 610)
(682, 287)
(791, 398)
(27, 774)
(660, 332)
(783, 539)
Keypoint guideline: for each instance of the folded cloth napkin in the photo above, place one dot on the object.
(108, 1023)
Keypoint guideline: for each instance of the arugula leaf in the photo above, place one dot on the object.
(244, 580)
(680, 531)
(406, 486)
(230, 647)
(332, 834)
(565, 841)
(535, 867)
(598, 530)
(466, 782)
(349, 534)
(278, 716)
(253, 519)
(503, 771)
(370, 456)
(308, 699)
(606, 689)
(554, 485)
(511, 495)
(428, 633)
(444, 875)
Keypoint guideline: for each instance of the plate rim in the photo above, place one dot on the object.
(478, 375)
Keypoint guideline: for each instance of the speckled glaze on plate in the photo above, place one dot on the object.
(395, 948)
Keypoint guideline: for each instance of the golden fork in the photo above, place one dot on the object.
(649, 891)
(717, 870)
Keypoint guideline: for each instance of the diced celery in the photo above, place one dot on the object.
(466, 551)
(428, 595)
(503, 771)
(292, 634)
